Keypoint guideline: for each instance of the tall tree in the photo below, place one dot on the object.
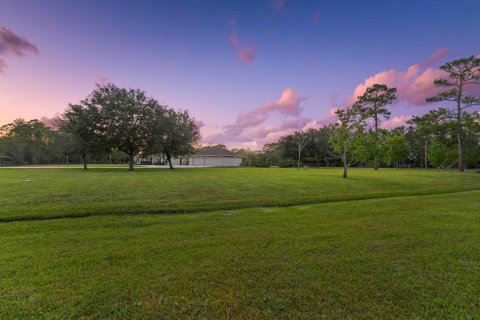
(342, 137)
(372, 105)
(127, 116)
(462, 74)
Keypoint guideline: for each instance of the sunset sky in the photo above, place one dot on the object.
(248, 71)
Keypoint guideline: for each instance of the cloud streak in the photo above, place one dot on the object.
(244, 52)
(10, 43)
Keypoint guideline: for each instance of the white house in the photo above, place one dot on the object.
(215, 157)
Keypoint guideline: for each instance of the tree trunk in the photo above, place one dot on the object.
(34, 153)
(375, 161)
(299, 152)
(426, 156)
(461, 165)
(130, 163)
(345, 168)
(169, 159)
(375, 164)
(84, 160)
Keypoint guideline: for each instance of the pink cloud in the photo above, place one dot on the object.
(274, 136)
(251, 119)
(244, 52)
(414, 84)
(288, 103)
(102, 80)
(224, 138)
(328, 117)
(296, 123)
(277, 5)
(53, 122)
(395, 122)
(10, 43)
(316, 18)
(291, 125)
(434, 58)
(248, 126)
(262, 132)
(422, 87)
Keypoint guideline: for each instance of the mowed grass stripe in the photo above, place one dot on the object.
(408, 257)
(57, 193)
(198, 210)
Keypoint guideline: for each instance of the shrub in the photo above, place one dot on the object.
(262, 163)
(287, 163)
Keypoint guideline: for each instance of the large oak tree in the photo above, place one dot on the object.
(126, 118)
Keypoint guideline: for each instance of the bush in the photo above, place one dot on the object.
(262, 163)
(287, 163)
(245, 163)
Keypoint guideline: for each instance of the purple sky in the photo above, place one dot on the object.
(249, 71)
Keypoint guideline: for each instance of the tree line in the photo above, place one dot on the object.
(443, 137)
(115, 124)
(110, 122)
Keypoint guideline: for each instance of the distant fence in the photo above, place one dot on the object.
(7, 163)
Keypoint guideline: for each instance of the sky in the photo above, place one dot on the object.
(248, 71)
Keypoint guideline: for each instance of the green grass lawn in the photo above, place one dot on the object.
(73, 192)
(409, 249)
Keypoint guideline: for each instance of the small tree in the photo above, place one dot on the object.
(462, 73)
(342, 137)
(300, 138)
(372, 105)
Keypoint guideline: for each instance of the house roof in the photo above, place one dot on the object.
(215, 151)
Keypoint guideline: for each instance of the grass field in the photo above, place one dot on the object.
(73, 192)
(257, 243)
